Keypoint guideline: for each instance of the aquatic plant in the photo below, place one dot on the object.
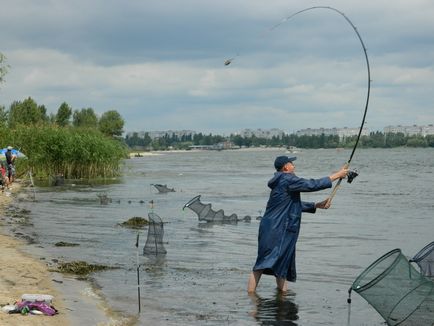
(65, 244)
(81, 268)
(135, 222)
(72, 152)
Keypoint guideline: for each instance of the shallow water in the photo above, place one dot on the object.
(202, 279)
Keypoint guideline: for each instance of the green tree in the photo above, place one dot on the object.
(27, 112)
(111, 123)
(147, 140)
(85, 118)
(63, 115)
(3, 117)
(395, 139)
(237, 140)
(417, 141)
(430, 140)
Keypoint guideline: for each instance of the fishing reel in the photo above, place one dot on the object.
(352, 174)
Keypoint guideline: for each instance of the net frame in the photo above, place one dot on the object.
(389, 303)
(425, 260)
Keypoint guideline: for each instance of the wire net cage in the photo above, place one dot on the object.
(154, 242)
(394, 287)
(206, 213)
(162, 189)
(425, 260)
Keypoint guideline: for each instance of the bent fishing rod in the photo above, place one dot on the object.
(351, 174)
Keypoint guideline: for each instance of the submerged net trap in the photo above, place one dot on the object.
(154, 242)
(425, 260)
(395, 288)
(104, 199)
(206, 213)
(162, 189)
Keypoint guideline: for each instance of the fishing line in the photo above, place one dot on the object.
(352, 174)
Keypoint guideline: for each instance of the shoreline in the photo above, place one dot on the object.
(23, 270)
(138, 154)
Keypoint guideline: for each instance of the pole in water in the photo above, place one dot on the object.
(32, 185)
(138, 272)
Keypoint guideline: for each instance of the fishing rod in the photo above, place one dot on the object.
(351, 174)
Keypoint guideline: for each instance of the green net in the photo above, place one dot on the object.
(394, 287)
(154, 242)
(425, 260)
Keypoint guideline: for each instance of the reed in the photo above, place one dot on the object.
(74, 153)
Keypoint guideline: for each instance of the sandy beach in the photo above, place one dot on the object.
(21, 273)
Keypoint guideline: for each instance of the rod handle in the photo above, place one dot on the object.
(337, 185)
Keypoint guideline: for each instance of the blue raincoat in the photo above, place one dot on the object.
(280, 225)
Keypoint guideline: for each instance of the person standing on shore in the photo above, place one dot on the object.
(10, 164)
(280, 225)
(4, 180)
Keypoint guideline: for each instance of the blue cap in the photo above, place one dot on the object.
(280, 161)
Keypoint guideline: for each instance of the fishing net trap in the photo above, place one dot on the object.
(206, 213)
(393, 287)
(162, 189)
(425, 260)
(154, 242)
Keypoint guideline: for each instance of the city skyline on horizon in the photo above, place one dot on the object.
(430, 127)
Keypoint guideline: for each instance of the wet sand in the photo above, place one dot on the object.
(22, 273)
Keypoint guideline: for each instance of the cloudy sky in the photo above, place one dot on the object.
(160, 64)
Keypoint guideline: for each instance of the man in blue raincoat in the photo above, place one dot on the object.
(280, 225)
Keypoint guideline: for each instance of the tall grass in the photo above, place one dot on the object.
(72, 152)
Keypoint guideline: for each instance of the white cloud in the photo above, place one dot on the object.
(161, 64)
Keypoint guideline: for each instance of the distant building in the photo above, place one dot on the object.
(218, 146)
(341, 132)
(410, 130)
(262, 133)
(160, 134)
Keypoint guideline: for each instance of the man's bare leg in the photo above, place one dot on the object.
(282, 284)
(254, 278)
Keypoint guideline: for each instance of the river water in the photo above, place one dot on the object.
(202, 278)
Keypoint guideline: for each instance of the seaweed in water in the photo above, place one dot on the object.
(81, 268)
(135, 222)
(65, 244)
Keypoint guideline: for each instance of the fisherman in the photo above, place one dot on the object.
(280, 225)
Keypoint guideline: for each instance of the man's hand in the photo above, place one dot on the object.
(341, 174)
(325, 204)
